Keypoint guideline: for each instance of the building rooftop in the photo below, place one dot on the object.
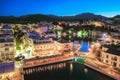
(6, 40)
(115, 52)
(63, 41)
(113, 49)
(6, 27)
(34, 35)
(42, 41)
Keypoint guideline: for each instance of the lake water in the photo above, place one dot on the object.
(65, 71)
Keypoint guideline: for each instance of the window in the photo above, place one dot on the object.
(6, 49)
(10, 44)
(6, 44)
(107, 56)
(115, 64)
(41, 47)
(106, 61)
(115, 58)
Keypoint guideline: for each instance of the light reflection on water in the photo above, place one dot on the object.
(71, 68)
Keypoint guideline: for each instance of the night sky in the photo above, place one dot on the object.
(107, 8)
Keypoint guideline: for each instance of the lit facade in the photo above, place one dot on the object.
(110, 58)
(45, 48)
(7, 51)
(68, 46)
(48, 48)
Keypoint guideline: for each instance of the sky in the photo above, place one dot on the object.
(108, 8)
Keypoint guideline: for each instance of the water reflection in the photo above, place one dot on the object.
(63, 71)
(44, 68)
(86, 70)
(71, 68)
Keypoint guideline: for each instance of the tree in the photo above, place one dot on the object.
(23, 44)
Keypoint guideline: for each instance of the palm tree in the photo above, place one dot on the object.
(22, 43)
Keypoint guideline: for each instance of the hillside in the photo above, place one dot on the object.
(40, 17)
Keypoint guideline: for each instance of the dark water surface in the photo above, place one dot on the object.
(65, 71)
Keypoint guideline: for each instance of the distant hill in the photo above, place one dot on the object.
(41, 17)
(25, 19)
(117, 16)
(116, 19)
(88, 16)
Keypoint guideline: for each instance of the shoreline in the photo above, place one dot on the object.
(68, 59)
(46, 63)
(98, 70)
(71, 59)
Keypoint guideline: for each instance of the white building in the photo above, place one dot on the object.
(6, 44)
(7, 51)
(111, 57)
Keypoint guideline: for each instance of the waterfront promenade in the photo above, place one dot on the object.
(38, 62)
(91, 63)
(102, 68)
(18, 73)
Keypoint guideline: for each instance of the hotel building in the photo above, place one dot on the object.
(111, 56)
(7, 51)
(45, 47)
(48, 47)
(6, 44)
